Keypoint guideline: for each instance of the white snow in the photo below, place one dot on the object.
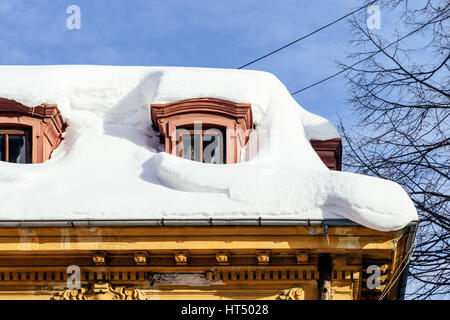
(110, 165)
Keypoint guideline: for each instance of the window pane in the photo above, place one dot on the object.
(213, 148)
(191, 147)
(2, 148)
(17, 150)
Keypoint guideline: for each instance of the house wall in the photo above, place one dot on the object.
(194, 262)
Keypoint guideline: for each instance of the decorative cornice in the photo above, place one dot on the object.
(260, 273)
(241, 111)
(42, 111)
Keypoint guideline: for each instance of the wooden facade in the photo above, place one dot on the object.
(181, 261)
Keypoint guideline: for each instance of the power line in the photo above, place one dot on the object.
(306, 36)
(358, 62)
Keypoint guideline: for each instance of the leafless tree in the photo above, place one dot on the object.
(400, 96)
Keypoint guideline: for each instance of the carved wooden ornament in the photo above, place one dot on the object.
(292, 294)
(181, 258)
(100, 291)
(222, 258)
(263, 257)
(140, 258)
(99, 258)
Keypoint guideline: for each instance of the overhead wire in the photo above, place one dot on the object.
(362, 60)
(306, 36)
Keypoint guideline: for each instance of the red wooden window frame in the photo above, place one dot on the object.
(17, 131)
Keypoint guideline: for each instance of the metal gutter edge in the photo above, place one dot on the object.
(180, 223)
(404, 277)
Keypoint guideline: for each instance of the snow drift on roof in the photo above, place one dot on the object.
(110, 166)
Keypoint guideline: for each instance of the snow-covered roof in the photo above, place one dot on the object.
(110, 164)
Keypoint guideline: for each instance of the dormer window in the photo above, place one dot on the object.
(28, 135)
(330, 152)
(205, 129)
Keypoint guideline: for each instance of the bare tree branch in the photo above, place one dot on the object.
(402, 129)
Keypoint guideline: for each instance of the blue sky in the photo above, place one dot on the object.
(194, 33)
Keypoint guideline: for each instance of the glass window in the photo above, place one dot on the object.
(201, 145)
(17, 153)
(191, 146)
(213, 148)
(14, 146)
